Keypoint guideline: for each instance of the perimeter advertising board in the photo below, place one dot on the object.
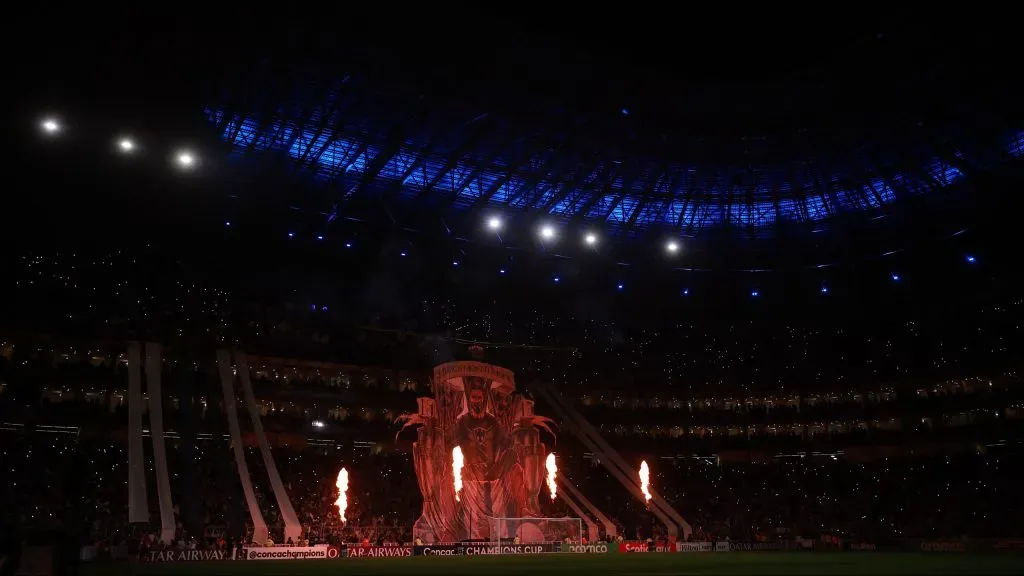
(170, 556)
(630, 547)
(759, 546)
(942, 546)
(702, 546)
(291, 553)
(512, 549)
(483, 549)
(438, 550)
(379, 551)
(598, 548)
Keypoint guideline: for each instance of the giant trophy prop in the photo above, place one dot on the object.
(476, 408)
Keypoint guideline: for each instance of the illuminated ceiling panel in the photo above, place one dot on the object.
(606, 191)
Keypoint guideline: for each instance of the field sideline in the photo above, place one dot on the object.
(603, 564)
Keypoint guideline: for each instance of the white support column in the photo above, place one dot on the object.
(227, 383)
(611, 458)
(609, 527)
(138, 501)
(156, 434)
(292, 527)
(593, 533)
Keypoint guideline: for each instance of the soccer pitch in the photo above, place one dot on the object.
(604, 564)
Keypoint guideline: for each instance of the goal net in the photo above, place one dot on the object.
(535, 530)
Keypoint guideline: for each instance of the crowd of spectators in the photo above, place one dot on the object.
(904, 427)
(68, 480)
(971, 494)
(67, 464)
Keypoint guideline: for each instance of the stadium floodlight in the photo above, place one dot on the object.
(590, 239)
(50, 125)
(547, 232)
(186, 159)
(126, 145)
(672, 247)
(494, 223)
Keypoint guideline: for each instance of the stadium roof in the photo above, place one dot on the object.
(744, 129)
(594, 133)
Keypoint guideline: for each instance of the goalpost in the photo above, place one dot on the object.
(535, 530)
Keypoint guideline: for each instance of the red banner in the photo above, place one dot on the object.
(379, 551)
(636, 546)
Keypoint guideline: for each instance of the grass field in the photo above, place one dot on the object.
(605, 564)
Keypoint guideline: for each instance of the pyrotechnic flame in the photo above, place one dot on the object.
(552, 470)
(342, 484)
(457, 470)
(645, 480)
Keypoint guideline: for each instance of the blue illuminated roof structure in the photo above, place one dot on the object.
(622, 194)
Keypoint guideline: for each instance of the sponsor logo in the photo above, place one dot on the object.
(631, 547)
(589, 548)
(693, 547)
(183, 556)
(428, 551)
(291, 553)
(942, 547)
(482, 549)
(756, 546)
(378, 551)
(438, 550)
(863, 547)
(513, 549)
(1009, 545)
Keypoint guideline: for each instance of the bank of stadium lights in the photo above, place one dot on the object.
(186, 160)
